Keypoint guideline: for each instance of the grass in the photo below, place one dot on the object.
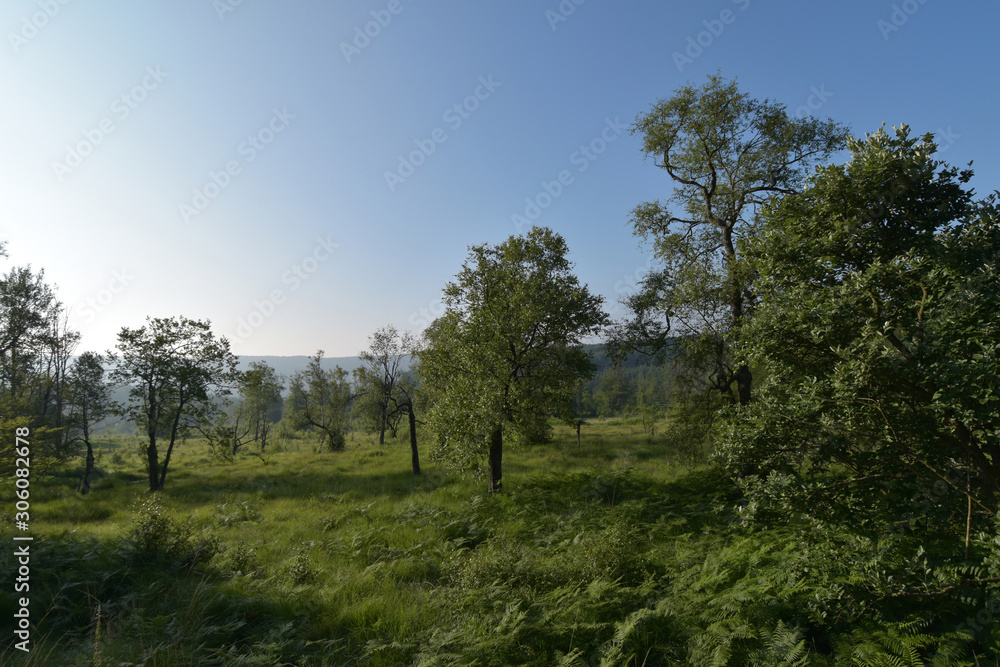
(348, 559)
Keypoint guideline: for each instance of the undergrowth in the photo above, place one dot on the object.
(594, 555)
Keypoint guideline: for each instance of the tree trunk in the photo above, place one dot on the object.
(744, 382)
(413, 440)
(153, 459)
(496, 461)
(152, 456)
(89, 472)
(170, 447)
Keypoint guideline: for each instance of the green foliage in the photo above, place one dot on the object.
(318, 399)
(727, 154)
(175, 369)
(597, 554)
(384, 394)
(301, 570)
(877, 328)
(156, 536)
(506, 354)
(259, 407)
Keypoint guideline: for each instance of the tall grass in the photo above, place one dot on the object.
(348, 559)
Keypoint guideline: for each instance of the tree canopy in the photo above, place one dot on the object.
(175, 369)
(727, 155)
(877, 328)
(506, 353)
(318, 399)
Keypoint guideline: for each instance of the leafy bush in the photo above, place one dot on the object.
(301, 571)
(155, 535)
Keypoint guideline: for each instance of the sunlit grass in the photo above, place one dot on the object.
(363, 559)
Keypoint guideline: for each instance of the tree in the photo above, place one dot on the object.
(506, 353)
(879, 292)
(386, 393)
(252, 420)
(728, 155)
(28, 308)
(62, 341)
(34, 349)
(89, 402)
(175, 369)
(377, 380)
(260, 390)
(615, 392)
(319, 399)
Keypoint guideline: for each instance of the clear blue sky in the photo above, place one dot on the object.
(114, 114)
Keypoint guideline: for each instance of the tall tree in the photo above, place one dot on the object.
(61, 343)
(28, 307)
(319, 399)
(878, 323)
(260, 388)
(34, 349)
(507, 351)
(175, 369)
(386, 394)
(728, 155)
(89, 402)
(378, 379)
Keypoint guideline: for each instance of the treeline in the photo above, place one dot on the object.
(627, 387)
(172, 379)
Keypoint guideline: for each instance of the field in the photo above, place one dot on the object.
(348, 559)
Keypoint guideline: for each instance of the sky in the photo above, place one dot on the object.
(302, 173)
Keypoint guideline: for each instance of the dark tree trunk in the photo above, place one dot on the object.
(413, 440)
(744, 382)
(578, 424)
(153, 459)
(496, 461)
(152, 456)
(170, 447)
(88, 474)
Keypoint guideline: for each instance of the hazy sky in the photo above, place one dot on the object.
(303, 172)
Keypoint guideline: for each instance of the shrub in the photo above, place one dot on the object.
(154, 535)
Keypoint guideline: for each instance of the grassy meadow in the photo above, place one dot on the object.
(348, 559)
